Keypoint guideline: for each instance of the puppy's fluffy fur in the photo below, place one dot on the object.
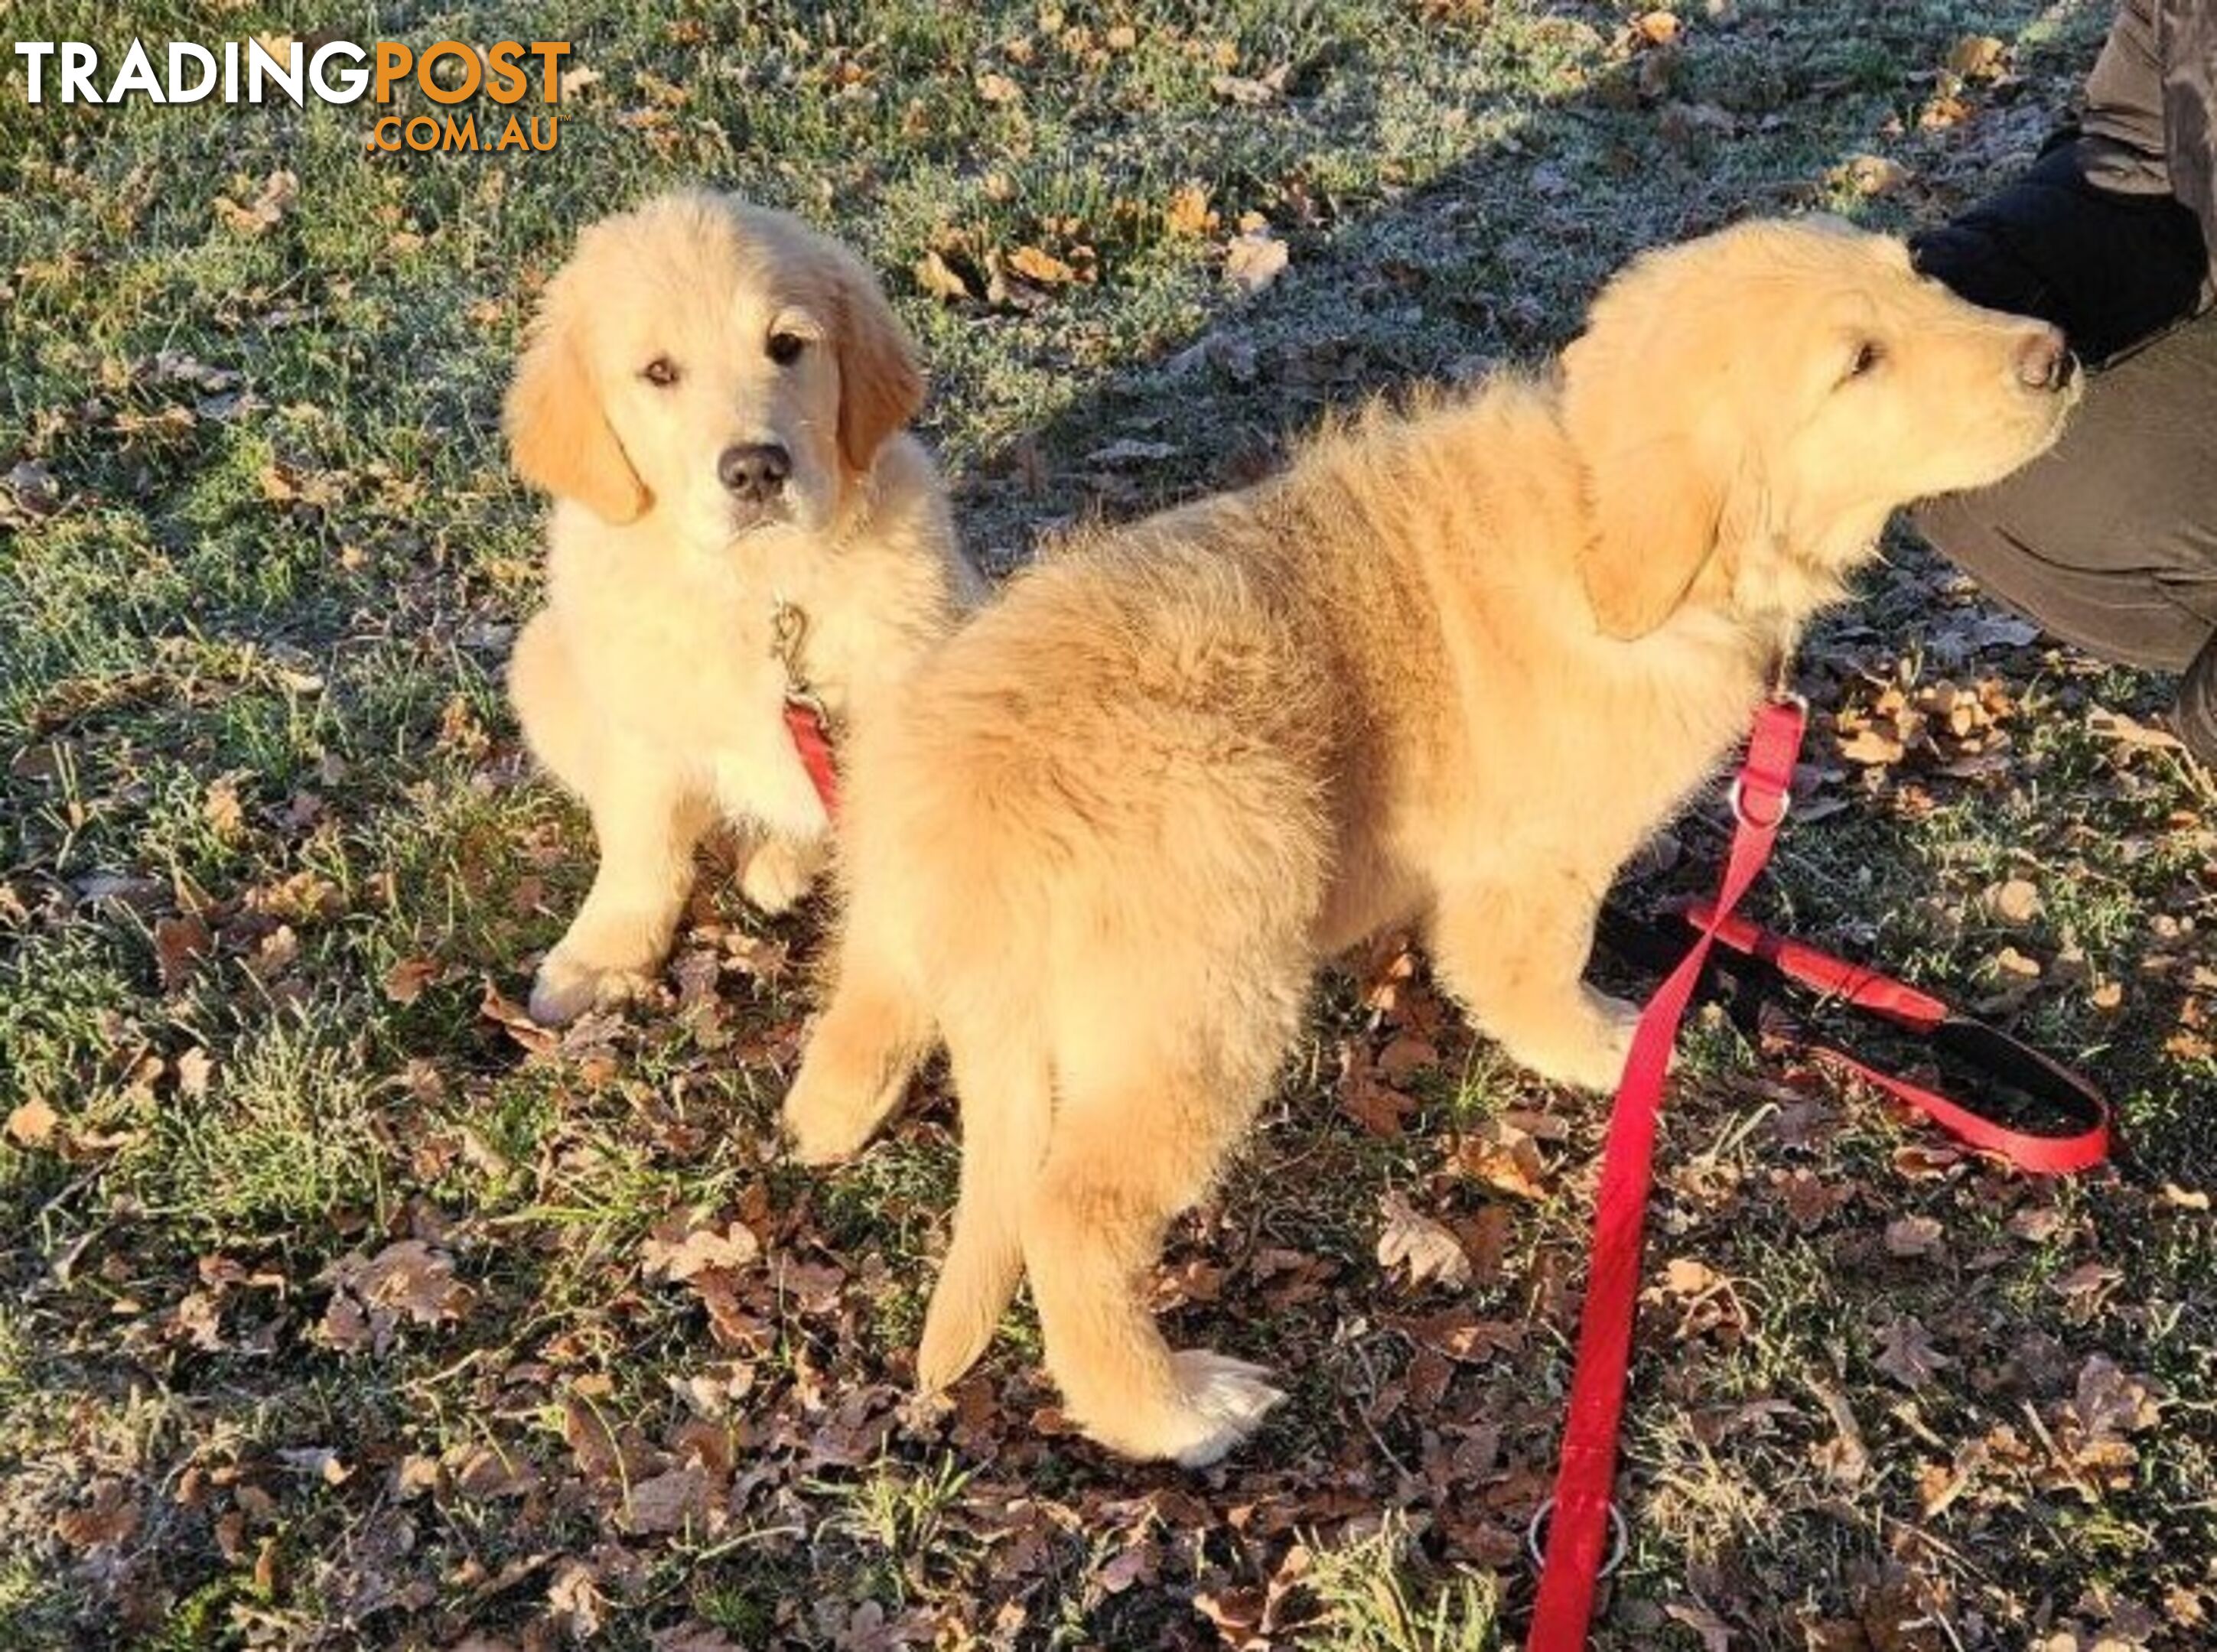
(1452, 668)
(714, 394)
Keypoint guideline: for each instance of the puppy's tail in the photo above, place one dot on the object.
(1008, 1107)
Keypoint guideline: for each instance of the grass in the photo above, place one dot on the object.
(270, 844)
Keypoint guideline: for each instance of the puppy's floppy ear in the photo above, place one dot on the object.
(558, 433)
(881, 385)
(1655, 493)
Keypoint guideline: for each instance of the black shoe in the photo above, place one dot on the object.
(2196, 714)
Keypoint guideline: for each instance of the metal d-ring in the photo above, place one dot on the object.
(1619, 1536)
(1737, 797)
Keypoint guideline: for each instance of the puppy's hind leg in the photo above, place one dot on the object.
(1002, 1076)
(1515, 957)
(860, 1053)
(1147, 1108)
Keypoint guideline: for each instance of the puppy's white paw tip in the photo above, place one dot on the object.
(1226, 1400)
(563, 989)
(557, 999)
(774, 879)
(817, 1134)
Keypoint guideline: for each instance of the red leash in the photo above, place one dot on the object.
(806, 725)
(1580, 1513)
(811, 744)
(1974, 1044)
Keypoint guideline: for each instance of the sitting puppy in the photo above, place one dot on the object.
(1452, 668)
(714, 394)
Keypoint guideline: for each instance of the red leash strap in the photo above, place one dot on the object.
(1577, 1527)
(1858, 987)
(2046, 1155)
(805, 722)
(811, 744)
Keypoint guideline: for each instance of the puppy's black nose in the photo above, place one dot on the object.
(2044, 362)
(754, 470)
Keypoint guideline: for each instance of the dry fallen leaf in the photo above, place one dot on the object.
(1407, 1054)
(1978, 57)
(278, 192)
(1378, 1107)
(220, 807)
(32, 486)
(937, 277)
(1716, 1635)
(413, 1279)
(112, 1517)
(668, 1502)
(179, 944)
(482, 1472)
(497, 1008)
(1912, 1236)
(1188, 213)
(1907, 1355)
(676, 1250)
(1429, 1250)
(196, 1067)
(33, 1124)
(1871, 175)
(694, 1637)
(1035, 264)
(408, 1279)
(1872, 746)
(1252, 261)
(575, 1598)
(1252, 91)
(1503, 1157)
(1125, 451)
(2122, 728)
(2017, 900)
(405, 981)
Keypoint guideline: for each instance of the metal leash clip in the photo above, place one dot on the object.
(788, 630)
(1619, 1538)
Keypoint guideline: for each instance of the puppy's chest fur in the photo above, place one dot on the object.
(676, 644)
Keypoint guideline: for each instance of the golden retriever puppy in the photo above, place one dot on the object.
(1451, 668)
(715, 396)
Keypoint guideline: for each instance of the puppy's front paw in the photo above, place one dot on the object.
(777, 874)
(1592, 1048)
(822, 1122)
(566, 987)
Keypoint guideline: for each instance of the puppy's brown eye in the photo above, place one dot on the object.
(661, 373)
(785, 348)
(1868, 356)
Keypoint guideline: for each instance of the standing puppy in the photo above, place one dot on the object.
(715, 396)
(1452, 667)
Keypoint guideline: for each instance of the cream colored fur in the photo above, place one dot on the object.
(1451, 668)
(647, 685)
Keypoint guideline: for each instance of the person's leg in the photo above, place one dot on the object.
(2110, 541)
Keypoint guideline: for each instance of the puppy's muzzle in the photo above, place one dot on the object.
(754, 473)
